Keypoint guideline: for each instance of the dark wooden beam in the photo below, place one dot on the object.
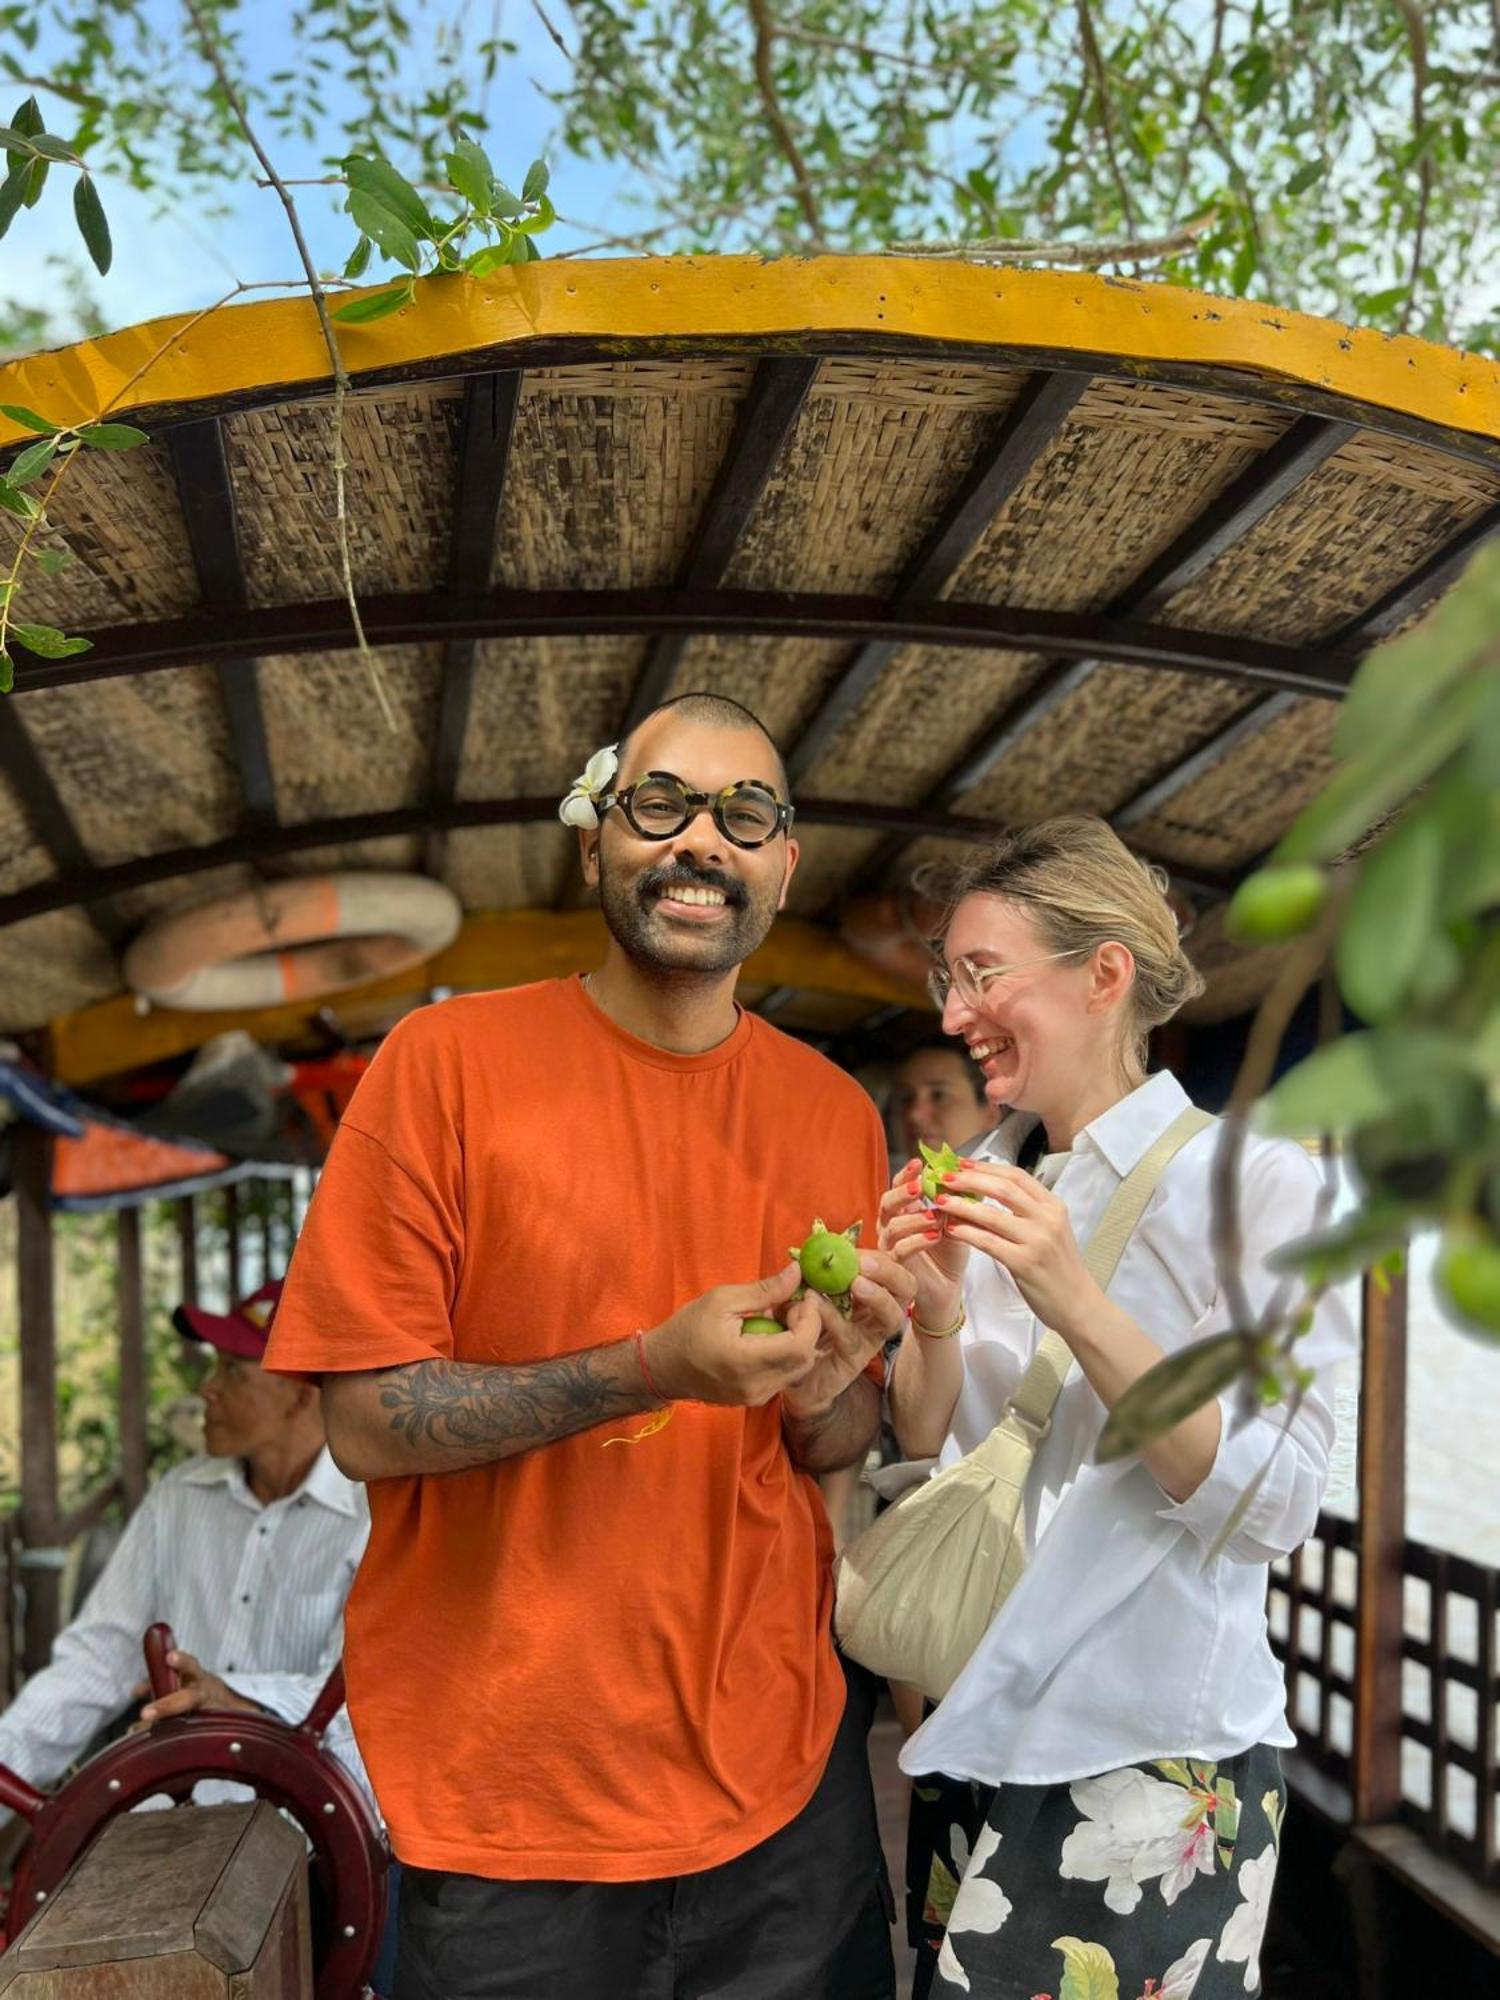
(1028, 429)
(30, 780)
(500, 614)
(1243, 504)
(766, 420)
(1409, 597)
(41, 1505)
(65, 891)
(200, 465)
(486, 430)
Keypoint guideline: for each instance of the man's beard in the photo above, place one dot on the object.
(657, 945)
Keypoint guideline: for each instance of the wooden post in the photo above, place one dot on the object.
(1381, 1540)
(134, 1459)
(232, 1232)
(187, 1238)
(41, 1512)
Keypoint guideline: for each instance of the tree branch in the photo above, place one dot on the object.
(1077, 256)
(1094, 63)
(1416, 35)
(813, 39)
(765, 31)
(330, 340)
(1205, 90)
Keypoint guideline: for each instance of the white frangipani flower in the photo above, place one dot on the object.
(580, 807)
(1241, 1940)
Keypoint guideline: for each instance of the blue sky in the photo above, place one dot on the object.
(176, 260)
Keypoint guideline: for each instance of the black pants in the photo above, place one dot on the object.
(803, 1916)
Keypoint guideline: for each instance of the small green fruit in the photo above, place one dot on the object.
(936, 1161)
(1276, 903)
(1468, 1277)
(761, 1323)
(829, 1262)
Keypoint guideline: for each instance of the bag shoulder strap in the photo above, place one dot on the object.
(1035, 1395)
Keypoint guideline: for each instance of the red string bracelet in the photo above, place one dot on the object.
(640, 1354)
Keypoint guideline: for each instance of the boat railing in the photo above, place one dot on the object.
(1449, 1685)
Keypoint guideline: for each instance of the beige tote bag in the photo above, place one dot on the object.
(917, 1591)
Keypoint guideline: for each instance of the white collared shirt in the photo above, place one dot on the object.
(255, 1593)
(1125, 1638)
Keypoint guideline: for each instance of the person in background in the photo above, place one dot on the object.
(247, 1552)
(938, 1099)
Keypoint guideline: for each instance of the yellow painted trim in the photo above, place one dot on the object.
(675, 301)
(494, 948)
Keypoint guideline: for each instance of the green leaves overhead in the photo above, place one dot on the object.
(47, 642)
(1171, 1391)
(379, 182)
(32, 462)
(385, 229)
(1388, 926)
(470, 172)
(88, 211)
(374, 306)
(27, 419)
(113, 437)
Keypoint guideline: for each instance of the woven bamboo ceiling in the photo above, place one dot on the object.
(979, 545)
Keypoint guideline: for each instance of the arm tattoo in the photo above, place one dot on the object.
(464, 1414)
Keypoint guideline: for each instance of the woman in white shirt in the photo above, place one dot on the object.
(1105, 1768)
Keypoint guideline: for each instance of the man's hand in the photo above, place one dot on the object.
(200, 1689)
(881, 1294)
(703, 1354)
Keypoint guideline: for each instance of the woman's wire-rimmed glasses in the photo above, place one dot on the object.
(969, 980)
(659, 805)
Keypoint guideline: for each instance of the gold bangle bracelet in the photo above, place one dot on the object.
(940, 1333)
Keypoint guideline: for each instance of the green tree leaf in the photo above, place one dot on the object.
(93, 227)
(1355, 1080)
(14, 501)
(18, 145)
(52, 149)
(378, 179)
(533, 225)
(48, 643)
(538, 177)
(1088, 1971)
(27, 419)
(373, 306)
(469, 170)
(1368, 786)
(385, 228)
(112, 437)
(1307, 177)
(1177, 1386)
(1401, 679)
(32, 462)
(359, 258)
(51, 562)
(33, 180)
(12, 194)
(7, 673)
(1388, 926)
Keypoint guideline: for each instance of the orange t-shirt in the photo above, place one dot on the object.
(580, 1663)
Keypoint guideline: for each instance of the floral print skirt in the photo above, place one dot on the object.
(1150, 1883)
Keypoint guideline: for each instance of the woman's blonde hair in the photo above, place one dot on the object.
(1082, 887)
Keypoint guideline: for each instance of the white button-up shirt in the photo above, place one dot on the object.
(1126, 1638)
(255, 1593)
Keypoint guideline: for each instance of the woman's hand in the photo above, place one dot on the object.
(914, 1233)
(1025, 1228)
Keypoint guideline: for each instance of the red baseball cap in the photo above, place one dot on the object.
(243, 1331)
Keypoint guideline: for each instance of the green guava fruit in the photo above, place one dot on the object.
(761, 1323)
(1468, 1278)
(829, 1263)
(1276, 903)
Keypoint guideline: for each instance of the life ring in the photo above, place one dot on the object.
(292, 940)
(895, 932)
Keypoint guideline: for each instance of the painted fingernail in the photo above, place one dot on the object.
(949, 1177)
(932, 1235)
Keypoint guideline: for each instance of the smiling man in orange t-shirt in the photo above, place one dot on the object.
(588, 1655)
